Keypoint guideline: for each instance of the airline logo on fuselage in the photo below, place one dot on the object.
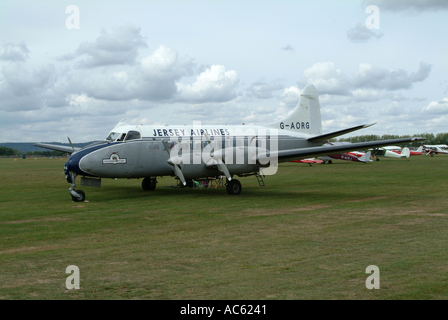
(297, 125)
(114, 159)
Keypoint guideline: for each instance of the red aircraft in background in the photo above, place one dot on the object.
(417, 152)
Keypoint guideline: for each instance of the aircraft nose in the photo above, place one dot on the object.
(72, 165)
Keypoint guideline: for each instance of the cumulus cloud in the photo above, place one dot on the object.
(368, 76)
(214, 84)
(408, 5)
(153, 79)
(437, 107)
(360, 33)
(16, 52)
(118, 47)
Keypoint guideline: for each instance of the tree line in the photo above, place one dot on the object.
(440, 138)
(5, 151)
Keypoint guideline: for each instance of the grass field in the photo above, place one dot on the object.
(310, 233)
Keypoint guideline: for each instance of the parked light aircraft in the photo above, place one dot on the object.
(435, 149)
(310, 161)
(197, 152)
(348, 156)
(411, 152)
(391, 152)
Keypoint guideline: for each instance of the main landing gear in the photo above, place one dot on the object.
(233, 187)
(149, 184)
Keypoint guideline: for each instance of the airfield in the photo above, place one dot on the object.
(310, 233)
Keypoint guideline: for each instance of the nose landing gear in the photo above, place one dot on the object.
(77, 195)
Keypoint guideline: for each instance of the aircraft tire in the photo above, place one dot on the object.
(149, 184)
(82, 194)
(233, 187)
(330, 162)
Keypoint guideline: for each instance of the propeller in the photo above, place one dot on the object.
(221, 165)
(177, 171)
(71, 143)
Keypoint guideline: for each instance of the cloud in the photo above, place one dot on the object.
(394, 109)
(214, 84)
(326, 78)
(417, 6)
(360, 33)
(437, 107)
(290, 96)
(119, 47)
(288, 47)
(16, 52)
(263, 90)
(24, 90)
(154, 79)
(369, 76)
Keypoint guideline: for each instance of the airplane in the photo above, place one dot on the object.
(391, 152)
(348, 156)
(197, 152)
(435, 149)
(411, 152)
(310, 161)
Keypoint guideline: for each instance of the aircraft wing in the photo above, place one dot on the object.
(327, 136)
(302, 153)
(57, 147)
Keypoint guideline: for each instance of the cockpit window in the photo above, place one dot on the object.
(113, 136)
(133, 135)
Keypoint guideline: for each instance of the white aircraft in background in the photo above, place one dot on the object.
(392, 152)
(435, 149)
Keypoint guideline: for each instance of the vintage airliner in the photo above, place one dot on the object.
(197, 152)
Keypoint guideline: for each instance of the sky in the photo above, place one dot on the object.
(76, 68)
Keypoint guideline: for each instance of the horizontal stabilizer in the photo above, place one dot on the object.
(57, 147)
(328, 136)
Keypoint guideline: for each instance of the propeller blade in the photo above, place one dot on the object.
(177, 171)
(221, 165)
(179, 174)
(223, 168)
(71, 143)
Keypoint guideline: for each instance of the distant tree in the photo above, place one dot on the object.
(5, 151)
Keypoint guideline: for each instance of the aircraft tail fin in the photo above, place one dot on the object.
(366, 157)
(305, 118)
(405, 152)
(420, 149)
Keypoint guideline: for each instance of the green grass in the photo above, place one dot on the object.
(310, 233)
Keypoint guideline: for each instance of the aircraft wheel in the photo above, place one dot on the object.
(377, 159)
(233, 187)
(82, 194)
(330, 162)
(149, 184)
